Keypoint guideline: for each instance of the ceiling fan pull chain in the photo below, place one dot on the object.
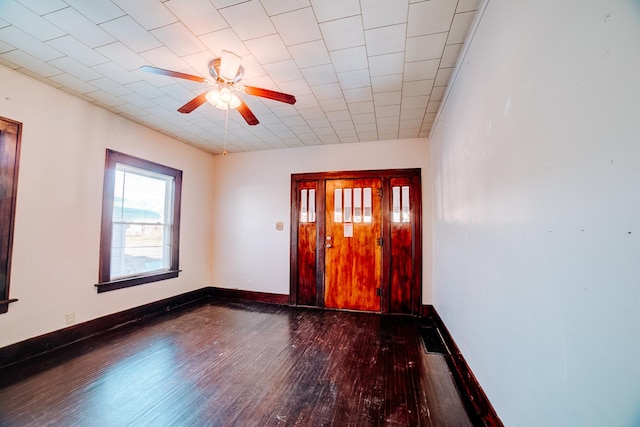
(226, 122)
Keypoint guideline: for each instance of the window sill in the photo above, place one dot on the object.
(4, 305)
(134, 281)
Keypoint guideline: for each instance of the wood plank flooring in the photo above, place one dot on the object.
(226, 363)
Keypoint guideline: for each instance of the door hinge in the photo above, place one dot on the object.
(380, 192)
(379, 292)
(379, 241)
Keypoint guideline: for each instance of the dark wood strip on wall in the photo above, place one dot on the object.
(478, 405)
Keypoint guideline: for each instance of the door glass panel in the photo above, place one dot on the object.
(312, 205)
(395, 215)
(348, 210)
(357, 205)
(337, 205)
(303, 206)
(367, 204)
(406, 211)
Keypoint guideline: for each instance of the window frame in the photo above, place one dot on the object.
(105, 283)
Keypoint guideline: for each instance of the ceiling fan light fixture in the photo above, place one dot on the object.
(223, 99)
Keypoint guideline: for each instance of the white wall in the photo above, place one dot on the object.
(57, 228)
(537, 211)
(252, 193)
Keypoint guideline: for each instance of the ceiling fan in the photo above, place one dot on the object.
(226, 72)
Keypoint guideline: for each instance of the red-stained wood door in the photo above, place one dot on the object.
(353, 247)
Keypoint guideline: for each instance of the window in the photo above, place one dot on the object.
(140, 222)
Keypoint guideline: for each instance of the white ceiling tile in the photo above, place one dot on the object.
(307, 105)
(319, 75)
(433, 16)
(360, 94)
(253, 70)
(354, 58)
(460, 27)
(392, 83)
(200, 61)
(417, 88)
(98, 11)
(467, 5)
(433, 106)
(420, 70)
(80, 27)
(29, 21)
(32, 63)
(145, 89)
(425, 47)
(310, 54)
(343, 33)
(268, 49)
(283, 71)
(295, 87)
(390, 112)
(363, 118)
(139, 101)
(148, 13)
(297, 27)
(412, 113)
(311, 113)
(276, 7)
(5, 47)
(387, 98)
(116, 72)
(328, 91)
(361, 107)
(106, 98)
(25, 42)
(77, 50)
(379, 13)
(162, 57)
(329, 105)
(249, 20)
(122, 55)
(42, 7)
(354, 79)
(366, 127)
(73, 67)
(131, 34)
(74, 83)
(226, 39)
(415, 102)
(382, 65)
(443, 77)
(177, 92)
(437, 93)
(109, 86)
(450, 55)
(319, 122)
(386, 39)
(179, 39)
(327, 10)
(198, 15)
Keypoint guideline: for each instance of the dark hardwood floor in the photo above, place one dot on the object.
(228, 363)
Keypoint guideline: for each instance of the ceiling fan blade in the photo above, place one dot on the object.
(163, 72)
(247, 114)
(194, 103)
(270, 94)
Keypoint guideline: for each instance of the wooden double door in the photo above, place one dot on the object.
(356, 241)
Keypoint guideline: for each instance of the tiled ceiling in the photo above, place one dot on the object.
(361, 70)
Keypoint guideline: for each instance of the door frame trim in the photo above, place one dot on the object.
(385, 175)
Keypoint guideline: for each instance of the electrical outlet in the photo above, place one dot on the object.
(71, 318)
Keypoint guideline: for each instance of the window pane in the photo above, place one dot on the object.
(303, 206)
(312, 205)
(406, 210)
(337, 205)
(367, 205)
(395, 215)
(357, 205)
(348, 212)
